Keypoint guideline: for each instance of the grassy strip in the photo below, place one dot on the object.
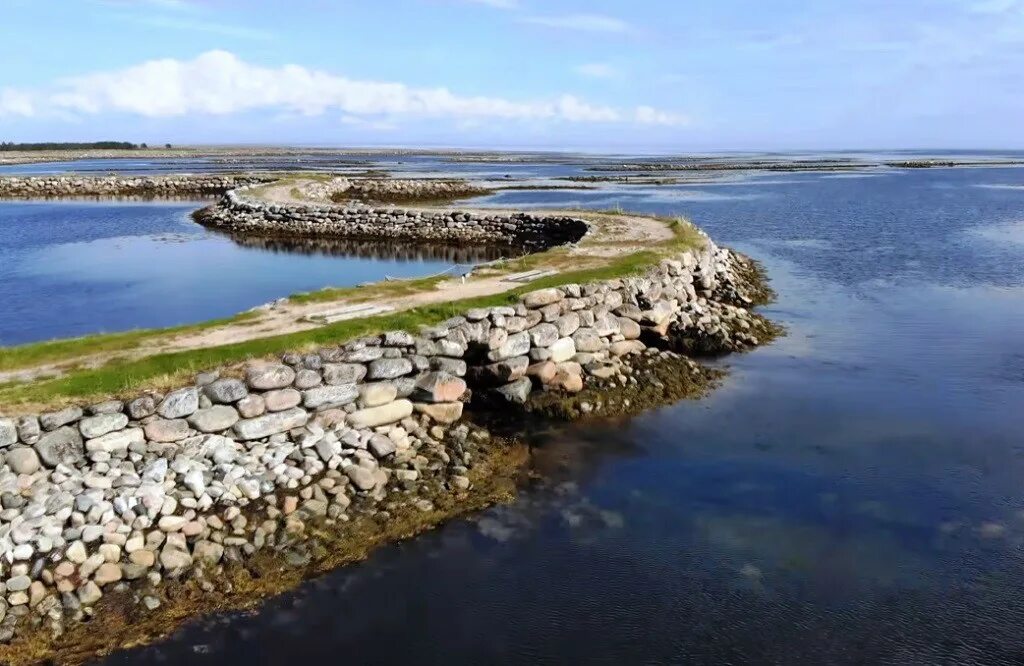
(122, 377)
(57, 351)
(394, 289)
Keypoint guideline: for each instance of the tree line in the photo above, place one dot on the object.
(95, 145)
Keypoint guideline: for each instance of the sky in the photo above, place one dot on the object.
(638, 75)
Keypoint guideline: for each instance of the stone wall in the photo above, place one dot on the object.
(239, 215)
(125, 494)
(142, 186)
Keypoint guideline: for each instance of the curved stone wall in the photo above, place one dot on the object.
(128, 493)
(239, 215)
(142, 186)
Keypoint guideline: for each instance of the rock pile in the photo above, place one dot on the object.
(129, 493)
(146, 186)
(390, 189)
(239, 215)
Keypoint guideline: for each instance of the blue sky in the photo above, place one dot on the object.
(572, 74)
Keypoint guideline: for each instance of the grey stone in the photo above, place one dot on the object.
(116, 442)
(381, 446)
(8, 432)
(214, 419)
(377, 393)
(97, 426)
(28, 429)
(372, 417)
(269, 376)
(54, 420)
(307, 379)
(271, 424)
(517, 344)
(226, 391)
(251, 406)
(453, 366)
(106, 407)
(541, 297)
(587, 340)
(326, 397)
(438, 387)
(282, 399)
(63, 445)
(389, 368)
(361, 478)
(568, 324)
(179, 404)
(563, 350)
(167, 430)
(344, 373)
(142, 407)
(543, 335)
(22, 460)
(517, 391)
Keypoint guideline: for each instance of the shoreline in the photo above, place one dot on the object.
(241, 465)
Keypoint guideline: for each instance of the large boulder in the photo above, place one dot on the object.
(344, 373)
(167, 430)
(543, 335)
(517, 344)
(22, 460)
(271, 424)
(179, 404)
(328, 397)
(563, 350)
(269, 376)
(441, 412)
(587, 340)
(372, 417)
(517, 392)
(54, 420)
(438, 387)
(8, 432)
(214, 419)
(97, 426)
(541, 297)
(116, 442)
(226, 391)
(389, 368)
(63, 445)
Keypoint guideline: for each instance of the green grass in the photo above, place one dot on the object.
(57, 351)
(392, 289)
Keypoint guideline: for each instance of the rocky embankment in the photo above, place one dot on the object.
(237, 214)
(42, 187)
(124, 499)
(377, 190)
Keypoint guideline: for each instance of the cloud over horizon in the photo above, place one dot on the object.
(220, 83)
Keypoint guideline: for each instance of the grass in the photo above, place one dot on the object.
(392, 289)
(57, 351)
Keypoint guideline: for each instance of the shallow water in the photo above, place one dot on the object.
(70, 268)
(851, 494)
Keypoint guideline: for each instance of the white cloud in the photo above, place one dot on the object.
(582, 22)
(15, 103)
(647, 115)
(597, 70)
(219, 83)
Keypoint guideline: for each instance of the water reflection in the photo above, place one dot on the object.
(365, 249)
